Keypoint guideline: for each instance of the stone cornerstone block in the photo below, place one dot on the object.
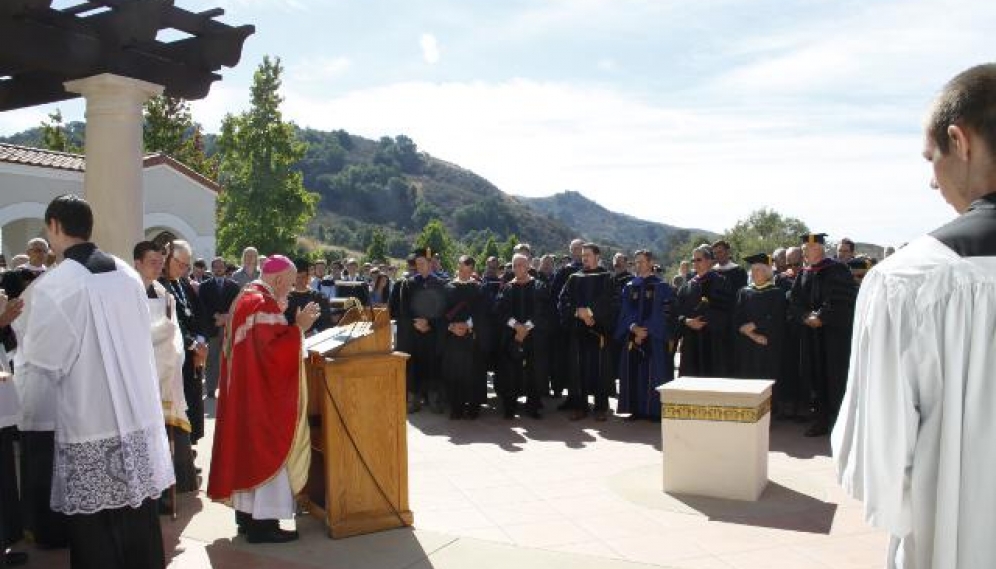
(716, 436)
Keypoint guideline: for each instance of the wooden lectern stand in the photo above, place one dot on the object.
(356, 408)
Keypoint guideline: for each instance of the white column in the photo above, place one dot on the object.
(112, 183)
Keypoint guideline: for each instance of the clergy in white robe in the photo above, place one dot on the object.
(89, 336)
(916, 434)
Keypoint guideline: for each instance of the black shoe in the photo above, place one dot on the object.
(818, 429)
(243, 521)
(578, 414)
(456, 414)
(271, 535)
(601, 416)
(535, 413)
(473, 413)
(565, 406)
(15, 558)
(509, 413)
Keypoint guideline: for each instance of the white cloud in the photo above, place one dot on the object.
(430, 48)
(316, 69)
(606, 64)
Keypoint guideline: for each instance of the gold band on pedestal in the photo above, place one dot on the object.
(722, 413)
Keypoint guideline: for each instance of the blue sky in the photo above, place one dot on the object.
(687, 112)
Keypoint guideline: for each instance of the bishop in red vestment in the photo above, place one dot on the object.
(261, 449)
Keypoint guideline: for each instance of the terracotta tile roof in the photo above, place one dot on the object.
(42, 158)
(39, 157)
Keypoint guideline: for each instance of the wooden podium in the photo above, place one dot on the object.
(356, 408)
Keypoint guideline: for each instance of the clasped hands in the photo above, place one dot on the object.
(585, 315)
(750, 330)
(422, 325)
(640, 333)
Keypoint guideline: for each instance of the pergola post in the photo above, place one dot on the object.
(112, 182)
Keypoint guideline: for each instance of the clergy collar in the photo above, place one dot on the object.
(729, 265)
(765, 286)
(80, 252)
(987, 201)
(594, 271)
(704, 277)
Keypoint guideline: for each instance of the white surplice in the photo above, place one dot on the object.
(89, 335)
(167, 346)
(916, 435)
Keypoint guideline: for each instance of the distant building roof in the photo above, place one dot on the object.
(42, 158)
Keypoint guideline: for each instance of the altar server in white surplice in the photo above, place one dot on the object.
(88, 334)
(916, 435)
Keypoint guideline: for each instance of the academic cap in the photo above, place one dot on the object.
(814, 238)
(760, 258)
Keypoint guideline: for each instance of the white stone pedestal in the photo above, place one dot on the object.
(716, 436)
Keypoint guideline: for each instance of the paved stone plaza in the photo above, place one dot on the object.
(552, 493)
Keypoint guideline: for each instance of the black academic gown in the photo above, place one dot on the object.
(705, 352)
(463, 356)
(590, 352)
(765, 307)
(828, 290)
(523, 367)
(790, 389)
(560, 342)
(421, 297)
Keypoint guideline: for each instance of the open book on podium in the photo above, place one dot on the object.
(356, 408)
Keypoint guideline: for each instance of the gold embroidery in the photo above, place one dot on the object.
(690, 412)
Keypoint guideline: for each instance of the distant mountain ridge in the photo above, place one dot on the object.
(391, 186)
(618, 231)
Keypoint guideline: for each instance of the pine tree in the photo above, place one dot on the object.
(377, 250)
(435, 236)
(264, 203)
(169, 128)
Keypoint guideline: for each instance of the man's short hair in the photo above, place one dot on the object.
(645, 252)
(180, 245)
(467, 260)
(722, 243)
(849, 243)
(592, 247)
(37, 244)
(200, 264)
(969, 101)
(143, 247)
(73, 214)
(705, 250)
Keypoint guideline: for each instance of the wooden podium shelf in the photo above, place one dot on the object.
(356, 407)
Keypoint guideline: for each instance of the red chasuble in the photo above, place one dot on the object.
(259, 395)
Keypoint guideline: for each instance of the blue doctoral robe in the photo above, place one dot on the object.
(645, 302)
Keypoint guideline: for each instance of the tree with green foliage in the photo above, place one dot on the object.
(169, 128)
(507, 249)
(264, 203)
(425, 212)
(490, 249)
(55, 134)
(763, 231)
(377, 250)
(435, 236)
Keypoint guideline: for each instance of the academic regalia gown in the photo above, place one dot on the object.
(644, 302)
(296, 300)
(704, 353)
(790, 389)
(560, 336)
(421, 297)
(523, 367)
(463, 356)
(590, 354)
(915, 436)
(828, 290)
(765, 307)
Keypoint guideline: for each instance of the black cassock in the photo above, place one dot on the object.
(590, 353)
(826, 289)
(463, 361)
(790, 389)
(765, 307)
(560, 342)
(298, 300)
(706, 352)
(421, 297)
(523, 367)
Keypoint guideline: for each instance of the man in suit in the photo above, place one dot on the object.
(216, 295)
(188, 313)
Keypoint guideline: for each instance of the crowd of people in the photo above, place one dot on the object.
(103, 363)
